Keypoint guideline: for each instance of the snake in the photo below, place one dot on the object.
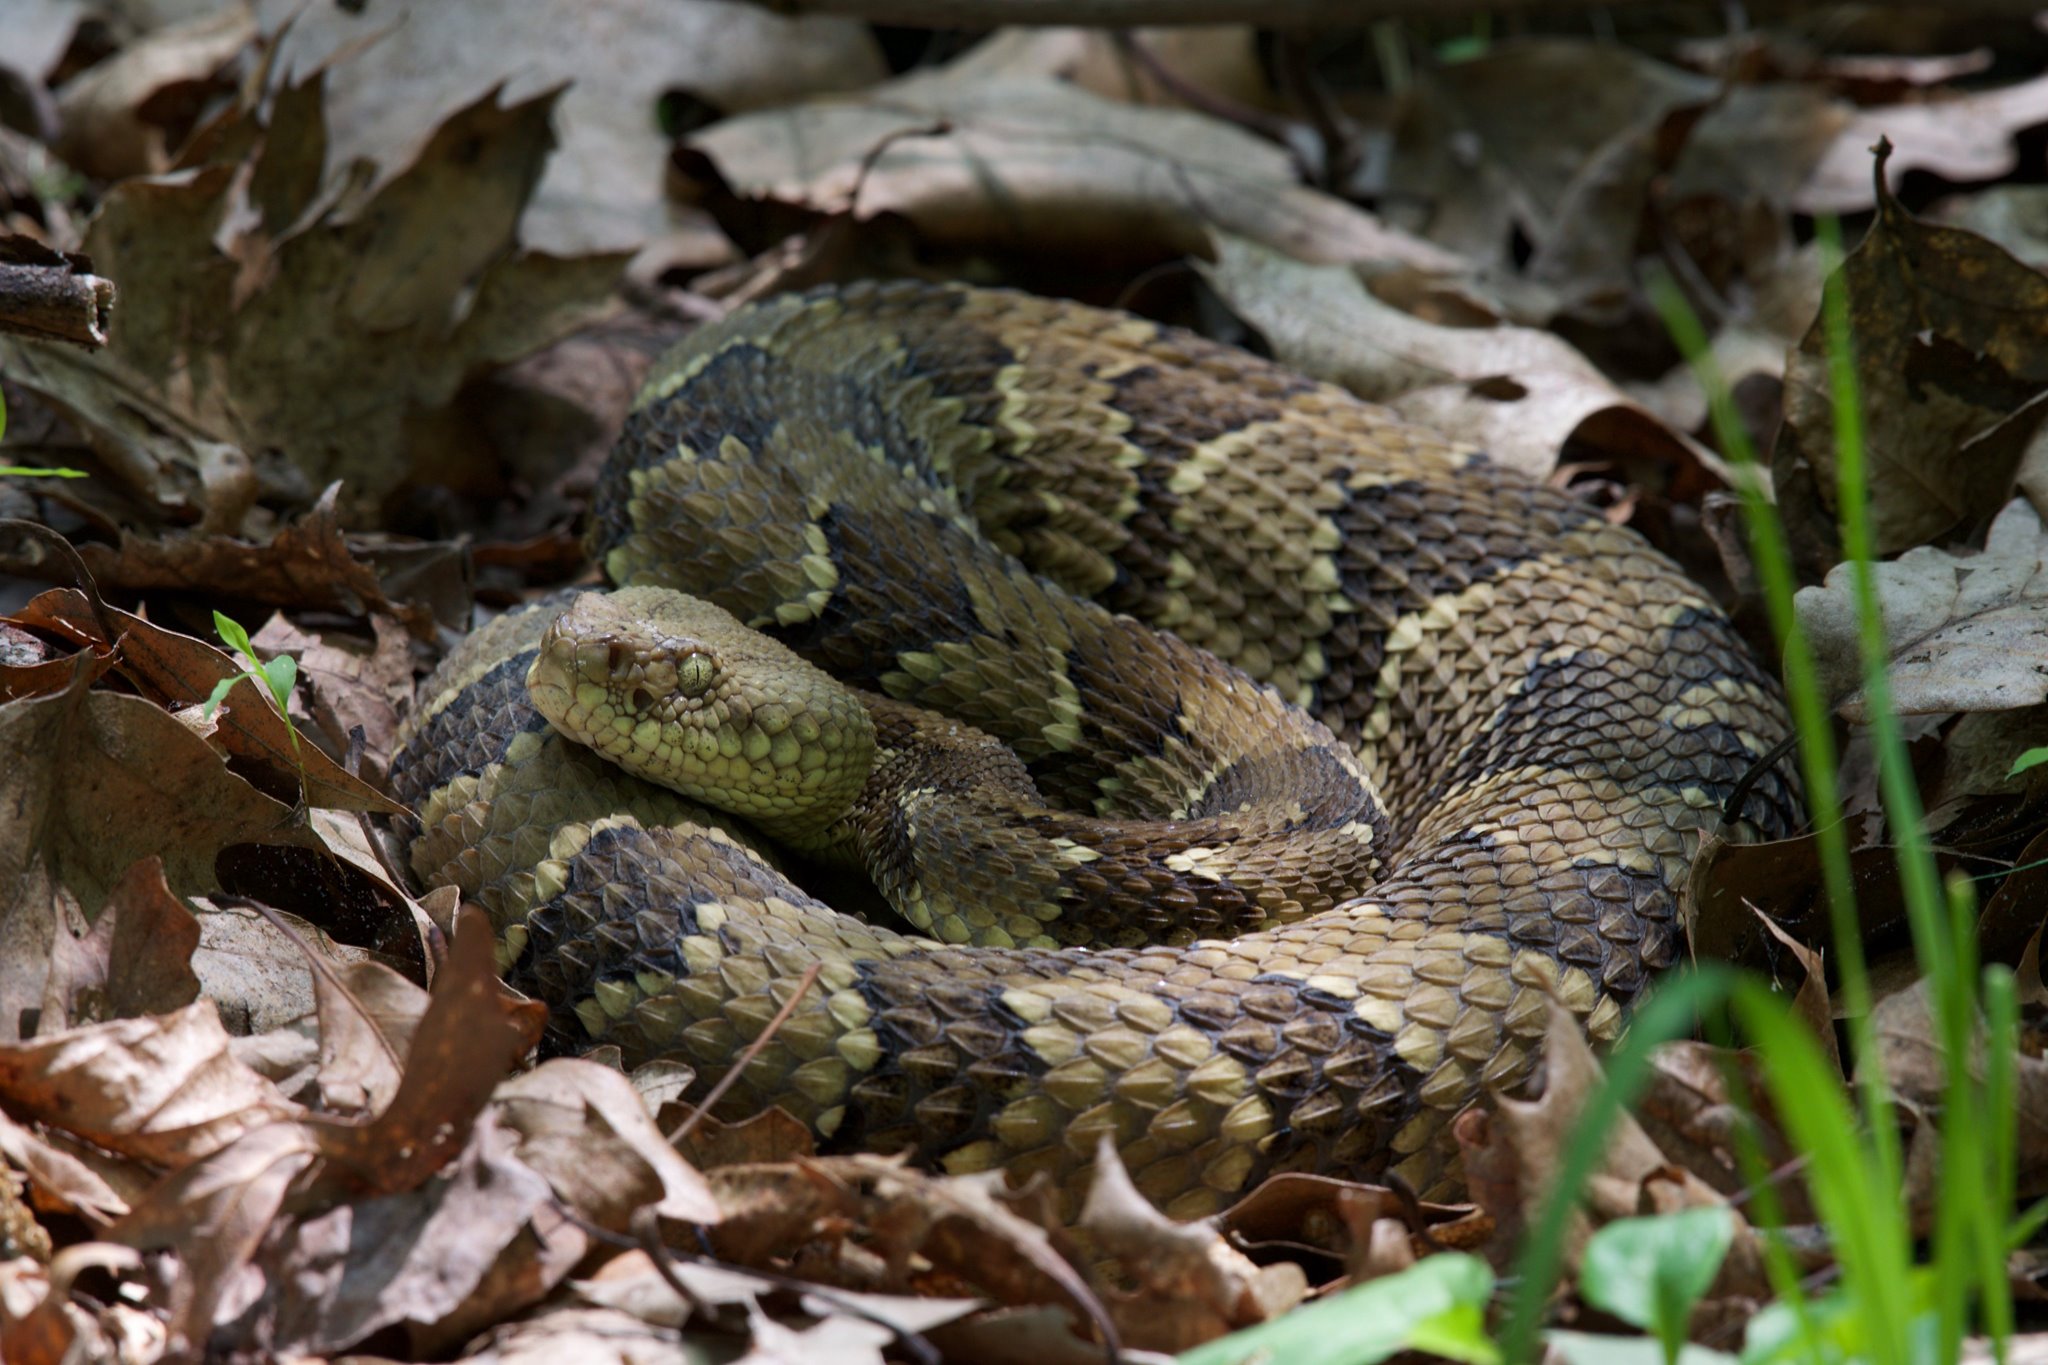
(1241, 774)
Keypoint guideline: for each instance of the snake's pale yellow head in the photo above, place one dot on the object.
(677, 691)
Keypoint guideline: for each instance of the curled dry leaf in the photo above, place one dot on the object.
(1518, 393)
(1967, 631)
(977, 163)
(1951, 352)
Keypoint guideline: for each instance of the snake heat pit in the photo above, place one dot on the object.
(1254, 767)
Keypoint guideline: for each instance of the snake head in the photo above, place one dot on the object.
(675, 690)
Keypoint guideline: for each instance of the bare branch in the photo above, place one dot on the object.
(57, 301)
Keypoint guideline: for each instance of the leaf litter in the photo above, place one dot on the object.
(258, 1097)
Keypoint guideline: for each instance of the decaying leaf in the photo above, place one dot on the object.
(1519, 394)
(1951, 352)
(1967, 631)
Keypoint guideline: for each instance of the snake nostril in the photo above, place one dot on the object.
(615, 655)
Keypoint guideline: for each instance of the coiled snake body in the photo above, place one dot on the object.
(968, 501)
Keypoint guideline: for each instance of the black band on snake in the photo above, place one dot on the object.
(1237, 926)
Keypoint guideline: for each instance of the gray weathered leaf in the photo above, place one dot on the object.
(1968, 630)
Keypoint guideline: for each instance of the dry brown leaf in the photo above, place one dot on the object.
(472, 1035)
(137, 960)
(42, 1322)
(307, 565)
(331, 329)
(872, 1224)
(91, 782)
(368, 1015)
(467, 1249)
(165, 1089)
(1915, 1065)
(215, 1212)
(1527, 1141)
(1033, 164)
(1968, 631)
(56, 1178)
(407, 67)
(772, 1135)
(120, 115)
(180, 671)
(1951, 355)
(1556, 139)
(1187, 1285)
(1960, 137)
(1518, 393)
(347, 683)
(585, 1129)
(253, 970)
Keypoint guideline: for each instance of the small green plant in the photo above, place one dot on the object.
(2032, 758)
(278, 676)
(1649, 1272)
(1437, 1305)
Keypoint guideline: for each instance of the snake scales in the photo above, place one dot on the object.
(927, 491)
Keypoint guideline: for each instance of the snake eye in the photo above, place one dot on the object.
(693, 674)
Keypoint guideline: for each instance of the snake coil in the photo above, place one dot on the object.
(969, 501)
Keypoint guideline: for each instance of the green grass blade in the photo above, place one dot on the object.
(1668, 1014)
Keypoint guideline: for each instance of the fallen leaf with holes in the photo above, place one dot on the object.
(1517, 393)
(1968, 631)
(1951, 359)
